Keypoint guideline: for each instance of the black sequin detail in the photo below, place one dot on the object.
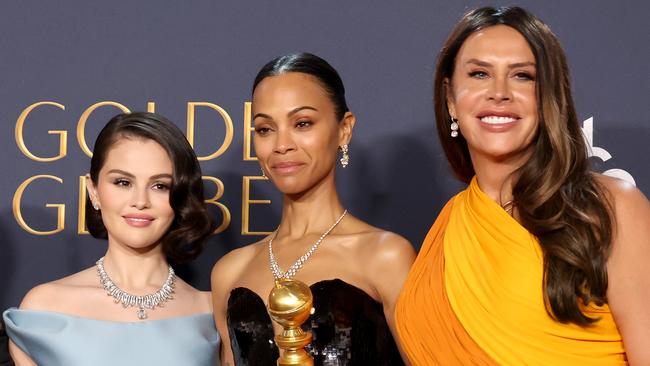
(348, 327)
(250, 329)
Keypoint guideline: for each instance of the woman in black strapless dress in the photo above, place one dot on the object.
(355, 271)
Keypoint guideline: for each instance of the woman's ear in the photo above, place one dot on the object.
(91, 188)
(345, 128)
(449, 96)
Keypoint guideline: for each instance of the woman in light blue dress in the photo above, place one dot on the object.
(145, 196)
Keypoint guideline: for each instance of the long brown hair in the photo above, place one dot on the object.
(557, 196)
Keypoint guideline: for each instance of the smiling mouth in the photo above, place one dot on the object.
(287, 164)
(287, 167)
(138, 221)
(497, 120)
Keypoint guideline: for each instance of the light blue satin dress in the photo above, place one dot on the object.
(52, 339)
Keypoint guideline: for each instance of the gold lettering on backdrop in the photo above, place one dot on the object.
(20, 140)
(81, 126)
(18, 196)
(246, 201)
(225, 222)
(248, 155)
(227, 139)
(248, 130)
(81, 213)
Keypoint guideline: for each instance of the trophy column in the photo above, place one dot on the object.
(290, 304)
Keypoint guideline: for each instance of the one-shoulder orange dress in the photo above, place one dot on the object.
(475, 297)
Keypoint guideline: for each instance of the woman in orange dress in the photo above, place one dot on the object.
(540, 261)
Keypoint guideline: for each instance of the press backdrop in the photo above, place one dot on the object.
(68, 66)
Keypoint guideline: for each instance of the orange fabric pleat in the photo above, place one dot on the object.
(429, 332)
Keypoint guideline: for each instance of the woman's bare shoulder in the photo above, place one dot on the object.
(231, 265)
(387, 247)
(621, 191)
(53, 296)
(386, 258)
(195, 300)
(379, 245)
(630, 206)
(628, 282)
(238, 258)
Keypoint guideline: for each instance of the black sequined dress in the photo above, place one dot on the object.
(348, 327)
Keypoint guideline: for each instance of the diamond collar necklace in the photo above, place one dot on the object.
(291, 271)
(144, 302)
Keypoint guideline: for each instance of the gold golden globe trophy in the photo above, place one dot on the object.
(290, 304)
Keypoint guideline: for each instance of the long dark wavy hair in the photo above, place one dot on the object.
(185, 237)
(556, 194)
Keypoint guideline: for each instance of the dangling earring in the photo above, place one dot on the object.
(454, 127)
(345, 157)
(263, 173)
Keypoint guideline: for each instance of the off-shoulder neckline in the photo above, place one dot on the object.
(311, 286)
(78, 317)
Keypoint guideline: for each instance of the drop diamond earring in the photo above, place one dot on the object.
(454, 127)
(345, 156)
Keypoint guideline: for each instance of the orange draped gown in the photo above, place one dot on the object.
(474, 297)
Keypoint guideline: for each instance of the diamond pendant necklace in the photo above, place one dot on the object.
(143, 302)
(291, 271)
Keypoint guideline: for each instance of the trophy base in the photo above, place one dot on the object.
(295, 358)
(293, 352)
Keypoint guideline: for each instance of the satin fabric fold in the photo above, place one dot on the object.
(54, 339)
(474, 297)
